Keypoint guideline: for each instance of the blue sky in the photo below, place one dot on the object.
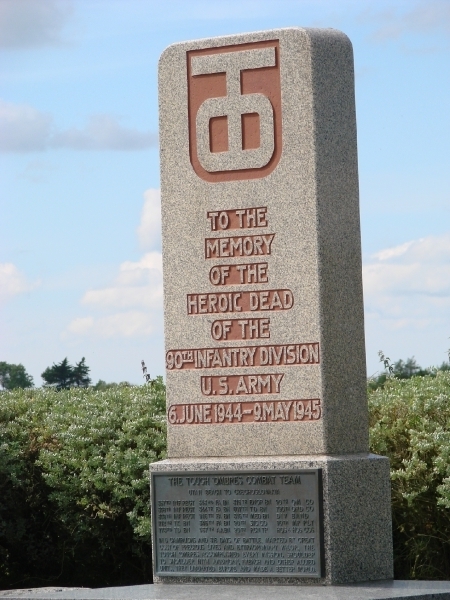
(80, 263)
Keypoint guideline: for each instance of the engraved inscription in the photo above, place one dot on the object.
(230, 247)
(230, 302)
(240, 329)
(241, 384)
(244, 356)
(240, 523)
(245, 412)
(239, 274)
(237, 329)
(242, 218)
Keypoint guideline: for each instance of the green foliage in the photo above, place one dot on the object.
(14, 376)
(410, 423)
(74, 493)
(63, 375)
(101, 385)
(74, 486)
(388, 367)
(402, 370)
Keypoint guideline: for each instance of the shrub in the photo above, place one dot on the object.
(74, 493)
(410, 423)
(74, 488)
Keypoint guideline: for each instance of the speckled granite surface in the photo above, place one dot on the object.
(311, 197)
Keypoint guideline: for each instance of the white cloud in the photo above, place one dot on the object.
(32, 23)
(392, 252)
(126, 324)
(136, 293)
(104, 133)
(149, 230)
(138, 284)
(82, 325)
(12, 282)
(132, 305)
(409, 285)
(26, 129)
(37, 171)
(424, 17)
(23, 128)
(407, 301)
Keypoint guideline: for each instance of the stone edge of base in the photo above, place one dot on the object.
(243, 462)
(382, 590)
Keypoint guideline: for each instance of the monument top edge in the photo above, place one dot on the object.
(253, 36)
(287, 462)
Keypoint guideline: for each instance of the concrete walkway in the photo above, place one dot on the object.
(380, 590)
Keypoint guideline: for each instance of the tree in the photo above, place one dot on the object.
(14, 376)
(408, 369)
(63, 375)
(59, 375)
(81, 374)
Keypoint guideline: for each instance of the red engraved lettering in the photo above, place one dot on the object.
(241, 274)
(254, 356)
(237, 246)
(262, 300)
(242, 218)
(245, 411)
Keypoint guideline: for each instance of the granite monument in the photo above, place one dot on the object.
(268, 478)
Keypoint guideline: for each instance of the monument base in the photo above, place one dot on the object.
(380, 590)
(356, 515)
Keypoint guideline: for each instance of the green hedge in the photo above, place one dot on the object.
(74, 488)
(410, 423)
(74, 493)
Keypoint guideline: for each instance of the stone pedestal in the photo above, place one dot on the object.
(356, 513)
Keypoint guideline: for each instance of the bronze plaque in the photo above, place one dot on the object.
(252, 524)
